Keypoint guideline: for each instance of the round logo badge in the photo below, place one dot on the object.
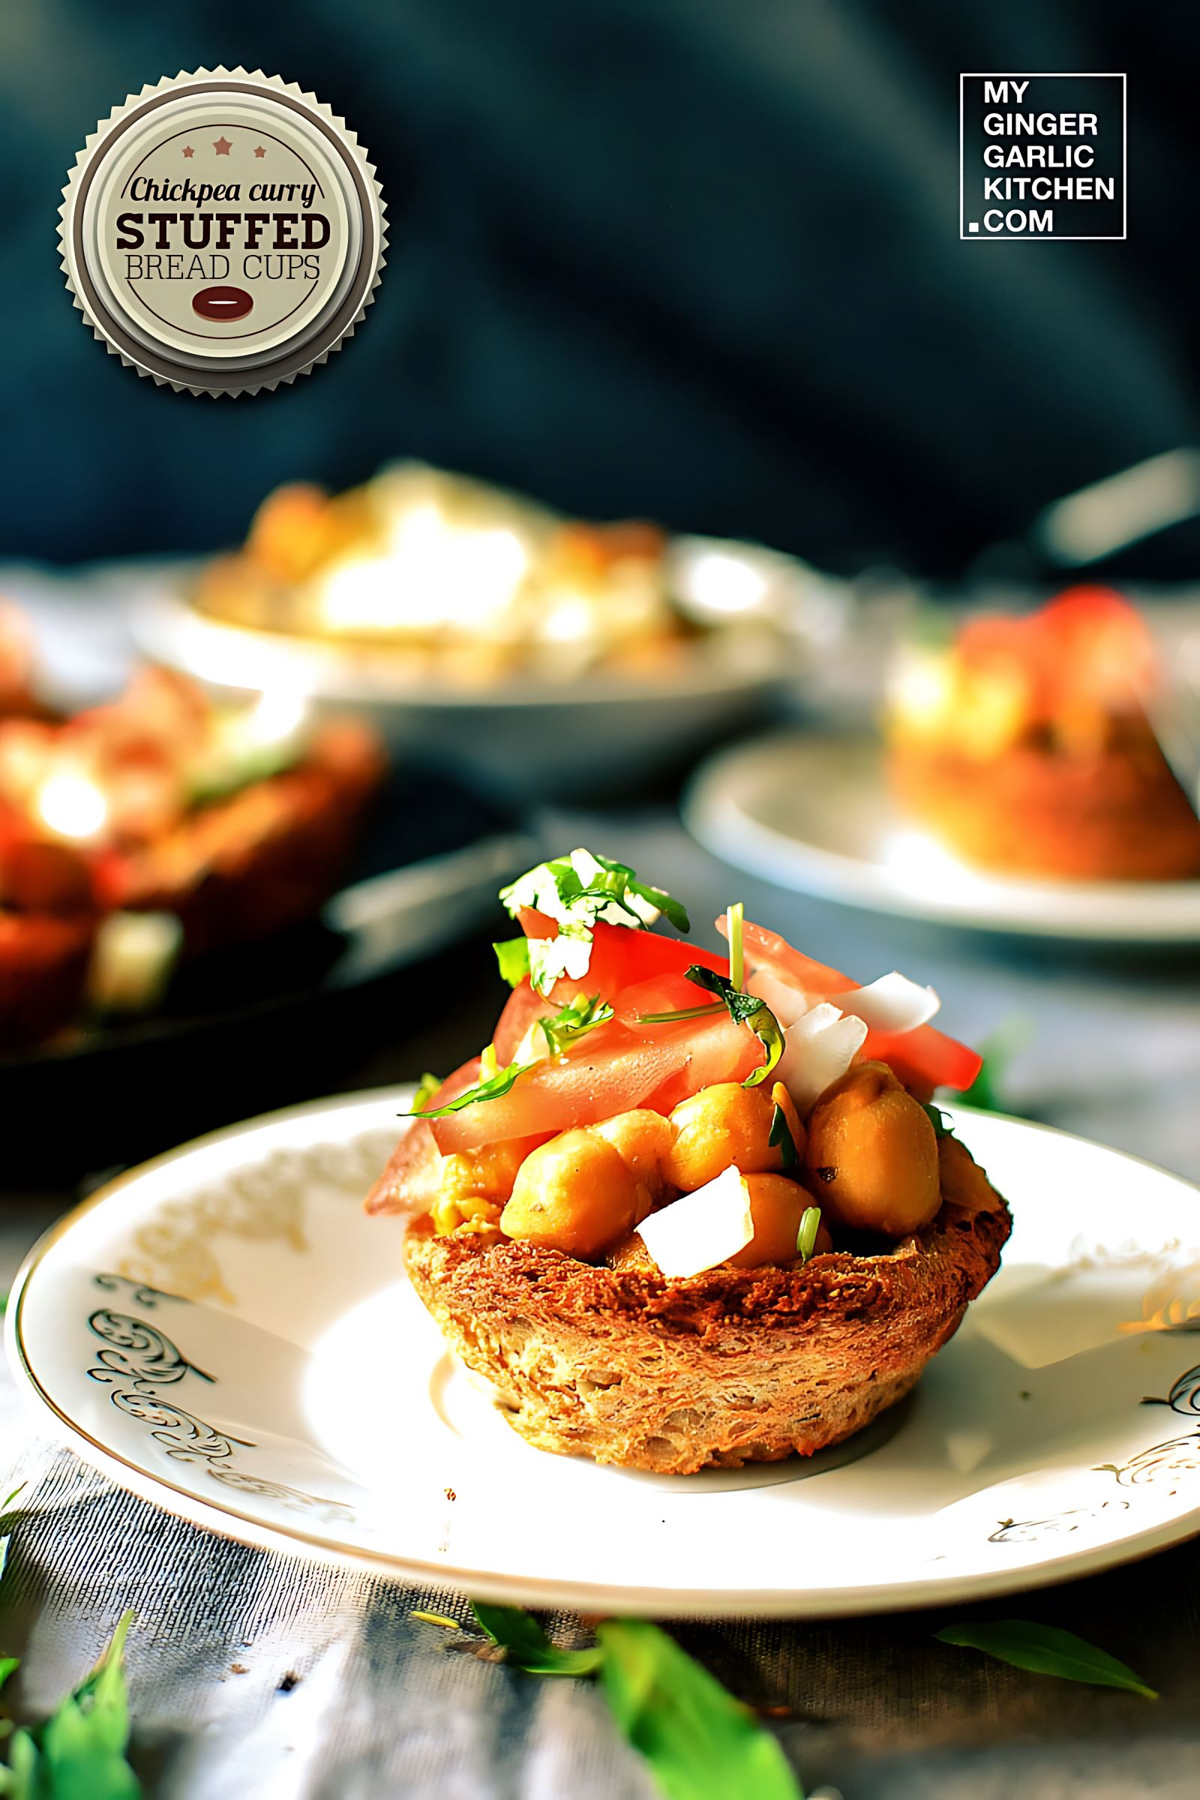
(222, 232)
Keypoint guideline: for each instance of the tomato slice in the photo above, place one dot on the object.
(767, 950)
(923, 1059)
(621, 957)
(410, 1180)
(610, 1072)
(617, 1067)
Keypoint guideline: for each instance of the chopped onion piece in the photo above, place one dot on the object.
(893, 1003)
(788, 1003)
(820, 1048)
(701, 1229)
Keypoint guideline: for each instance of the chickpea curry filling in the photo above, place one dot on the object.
(650, 1106)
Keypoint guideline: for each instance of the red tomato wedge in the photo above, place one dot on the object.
(923, 1059)
(413, 1173)
(609, 1072)
(621, 956)
(767, 950)
(617, 1067)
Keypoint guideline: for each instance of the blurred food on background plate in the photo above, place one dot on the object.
(1025, 744)
(17, 698)
(164, 825)
(473, 585)
(479, 628)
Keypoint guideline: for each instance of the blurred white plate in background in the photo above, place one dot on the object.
(526, 736)
(813, 814)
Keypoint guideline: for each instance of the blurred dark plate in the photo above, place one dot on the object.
(262, 1025)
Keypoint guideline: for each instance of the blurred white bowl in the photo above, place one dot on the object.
(523, 736)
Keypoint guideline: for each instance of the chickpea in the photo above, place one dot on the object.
(576, 1194)
(727, 1125)
(873, 1154)
(644, 1140)
(489, 1171)
(777, 1206)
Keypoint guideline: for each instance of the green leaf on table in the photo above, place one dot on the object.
(78, 1753)
(1045, 1650)
(699, 1742)
(999, 1050)
(527, 1645)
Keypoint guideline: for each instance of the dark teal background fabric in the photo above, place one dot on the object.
(697, 259)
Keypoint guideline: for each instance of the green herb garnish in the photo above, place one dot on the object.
(806, 1237)
(493, 1085)
(685, 1012)
(745, 1009)
(427, 1087)
(780, 1136)
(573, 1021)
(80, 1749)
(527, 1645)
(579, 892)
(942, 1127)
(736, 915)
(513, 957)
(699, 1742)
(1045, 1650)
(565, 1028)
(999, 1049)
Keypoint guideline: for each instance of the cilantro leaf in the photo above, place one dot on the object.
(579, 892)
(1045, 1650)
(573, 1021)
(566, 1027)
(780, 1137)
(491, 1089)
(745, 1009)
(700, 1743)
(528, 1646)
(78, 1753)
(427, 1087)
(513, 957)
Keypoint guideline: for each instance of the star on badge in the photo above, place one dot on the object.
(222, 146)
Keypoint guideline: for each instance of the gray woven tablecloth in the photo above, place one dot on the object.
(254, 1674)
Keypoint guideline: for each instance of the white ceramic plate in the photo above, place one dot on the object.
(812, 813)
(600, 725)
(227, 1333)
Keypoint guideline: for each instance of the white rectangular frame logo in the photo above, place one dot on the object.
(1040, 237)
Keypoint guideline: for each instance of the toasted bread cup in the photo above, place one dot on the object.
(266, 857)
(725, 1368)
(1116, 815)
